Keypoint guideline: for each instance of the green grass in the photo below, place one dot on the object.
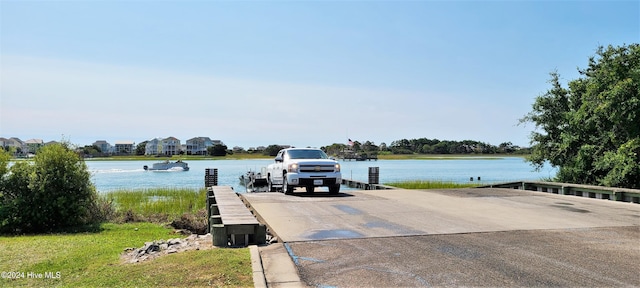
(430, 184)
(170, 202)
(93, 260)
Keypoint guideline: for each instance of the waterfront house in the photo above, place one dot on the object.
(124, 148)
(199, 145)
(33, 145)
(104, 146)
(13, 144)
(153, 147)
(258, 149)
(171, 146)
(163, 146)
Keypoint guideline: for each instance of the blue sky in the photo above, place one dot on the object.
(310, 73)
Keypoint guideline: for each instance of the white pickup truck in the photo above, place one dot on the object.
(303, 167)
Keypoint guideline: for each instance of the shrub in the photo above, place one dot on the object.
(52, 193)
(192, 222)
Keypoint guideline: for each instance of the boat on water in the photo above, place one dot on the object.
(166, 165)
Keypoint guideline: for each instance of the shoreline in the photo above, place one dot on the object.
(263, 157)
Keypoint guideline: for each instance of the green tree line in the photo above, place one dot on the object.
(590, 129)
(425, 146)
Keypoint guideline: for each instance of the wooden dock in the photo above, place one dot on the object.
(365, 186)
(358, 157)
(230, 221)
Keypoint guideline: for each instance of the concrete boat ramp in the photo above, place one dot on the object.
(461, 237)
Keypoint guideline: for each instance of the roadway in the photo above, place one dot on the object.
(460, 237)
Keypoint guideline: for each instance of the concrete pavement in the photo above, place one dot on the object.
(461, 237)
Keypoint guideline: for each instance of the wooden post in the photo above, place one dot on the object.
(219, 233)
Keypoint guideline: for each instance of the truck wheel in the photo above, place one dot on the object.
(310, 189)
(335, 189)
(286, 188)
(270, 184)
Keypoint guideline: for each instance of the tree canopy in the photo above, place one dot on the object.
(425, 146)
(217, 150)
(590, 129)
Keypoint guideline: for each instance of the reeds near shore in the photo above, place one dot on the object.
(170, 202)
(431, 184)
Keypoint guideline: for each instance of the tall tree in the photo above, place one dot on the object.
(141, 148)
(217, 150)
(272, 150)
(591, 130)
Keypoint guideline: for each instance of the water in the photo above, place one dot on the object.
(114, 175)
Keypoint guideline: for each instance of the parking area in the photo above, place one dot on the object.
(462, 237)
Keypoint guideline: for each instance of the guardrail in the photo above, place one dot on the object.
(589, 191)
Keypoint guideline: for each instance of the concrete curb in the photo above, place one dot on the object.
(279, 269)
(259, 280)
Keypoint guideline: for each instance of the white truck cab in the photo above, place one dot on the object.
(303, 167)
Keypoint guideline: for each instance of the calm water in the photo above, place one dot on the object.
(113, 175)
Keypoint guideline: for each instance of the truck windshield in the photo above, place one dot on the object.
(307, 154)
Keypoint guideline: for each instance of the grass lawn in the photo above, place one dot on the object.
(93, 259)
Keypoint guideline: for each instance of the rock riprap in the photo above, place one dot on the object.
(152, 250)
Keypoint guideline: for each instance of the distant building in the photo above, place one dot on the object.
(163, 146)
(124, 148)
(104, 146)
(171, 146)
(158, 146)
(257, 149)
(13, 142)
(199, 145)
(15, 145)
(153, 147)
(33, 145)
